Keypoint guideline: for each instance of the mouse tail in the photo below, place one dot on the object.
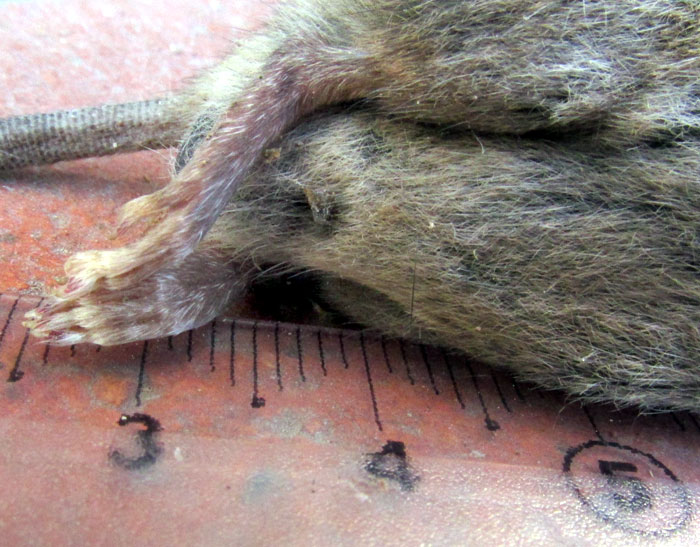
(38, 139)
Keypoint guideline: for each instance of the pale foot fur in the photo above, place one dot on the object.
(169, 301)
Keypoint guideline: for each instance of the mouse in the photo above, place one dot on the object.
(515, 180)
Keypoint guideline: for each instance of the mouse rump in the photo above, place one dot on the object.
(518, 189)
(573, 265)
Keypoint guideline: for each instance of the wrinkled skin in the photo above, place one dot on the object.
(546, 220)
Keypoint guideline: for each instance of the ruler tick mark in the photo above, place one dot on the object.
(424, 354)
(491, 425)
(300, 357)
(452, 377)
(592, 422)
(16, 374)
(278, 368)
(212, 346)
(320, 353)
(142, 373)
(369, 382)
(7, 321)
(402, 347)
(232, 359)
(386, 355)
(500, 393)
(257, 402)
(342, 351)
(45, 357)
(516, 388)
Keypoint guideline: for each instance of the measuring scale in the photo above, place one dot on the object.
(262, 433)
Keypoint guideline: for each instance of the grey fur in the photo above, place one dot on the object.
(548, 212)
(574, 266)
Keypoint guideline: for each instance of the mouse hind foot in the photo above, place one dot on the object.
(173, 299)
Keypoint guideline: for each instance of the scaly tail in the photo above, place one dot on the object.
(38, 139)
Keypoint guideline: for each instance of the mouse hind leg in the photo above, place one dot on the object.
(175, 298)
(278, 90)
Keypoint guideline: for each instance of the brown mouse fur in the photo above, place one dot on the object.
(545, 219)
(575, 266)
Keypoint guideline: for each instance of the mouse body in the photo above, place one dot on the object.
(574, 266)
(515, 179)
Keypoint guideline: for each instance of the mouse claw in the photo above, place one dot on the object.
(66, 338)
(63, 338)
(59, 325)
(32, 319)
(54, 321)
(73, 286)
(40, 310)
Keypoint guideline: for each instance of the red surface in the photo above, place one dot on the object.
(73, 54)
(292, 471)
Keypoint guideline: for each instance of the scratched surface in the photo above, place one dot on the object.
(257, 433)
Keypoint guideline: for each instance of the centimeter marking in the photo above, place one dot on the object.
(7, 321)
(438, 401)
(142, 371)
(682, 421)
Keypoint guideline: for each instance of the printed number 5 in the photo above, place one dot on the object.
(630, 493)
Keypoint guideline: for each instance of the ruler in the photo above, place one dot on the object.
(250, 433)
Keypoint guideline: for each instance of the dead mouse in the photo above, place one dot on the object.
(519, 182)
